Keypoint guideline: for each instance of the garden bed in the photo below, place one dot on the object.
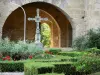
(26, 57)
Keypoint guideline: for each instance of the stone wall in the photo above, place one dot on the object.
(92, 14)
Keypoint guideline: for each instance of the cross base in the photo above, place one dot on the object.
(39, 45)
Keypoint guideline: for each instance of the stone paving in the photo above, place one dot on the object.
(11, 73)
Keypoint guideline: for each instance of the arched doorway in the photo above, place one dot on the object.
(61, 30)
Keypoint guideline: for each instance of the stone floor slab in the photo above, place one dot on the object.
(11, 73)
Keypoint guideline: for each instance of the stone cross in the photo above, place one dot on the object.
(38, 19)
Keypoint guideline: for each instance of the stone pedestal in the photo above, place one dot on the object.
(39, 45)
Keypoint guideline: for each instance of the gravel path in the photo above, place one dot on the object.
(11, 73)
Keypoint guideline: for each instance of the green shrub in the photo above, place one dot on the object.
(90, 40)
(5, 46)
(45, 34)
(88, 63)
(8, 48)
(33, 49)
(55, 50)
(94, 51)
(93, 37)
(80, 43)
(11, 66)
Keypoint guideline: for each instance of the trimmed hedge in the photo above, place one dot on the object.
(52, 74)
(62, 68)
(50, 67)
(59, 58)
(72, 54)
(55, 50)
(11, 66)
(37, 68)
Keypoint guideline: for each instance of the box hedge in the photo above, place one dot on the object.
(36, 68)
(72, 54)
(10, 66)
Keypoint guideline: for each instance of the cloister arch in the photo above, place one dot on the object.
(61, 29)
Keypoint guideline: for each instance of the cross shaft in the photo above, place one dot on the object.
(37, 19)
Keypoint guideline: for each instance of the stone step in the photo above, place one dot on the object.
(67, 49)
(11, 73)
(63, 49)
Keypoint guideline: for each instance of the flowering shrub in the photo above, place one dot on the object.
(6, 58)
(17, 50)
(30, 57)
